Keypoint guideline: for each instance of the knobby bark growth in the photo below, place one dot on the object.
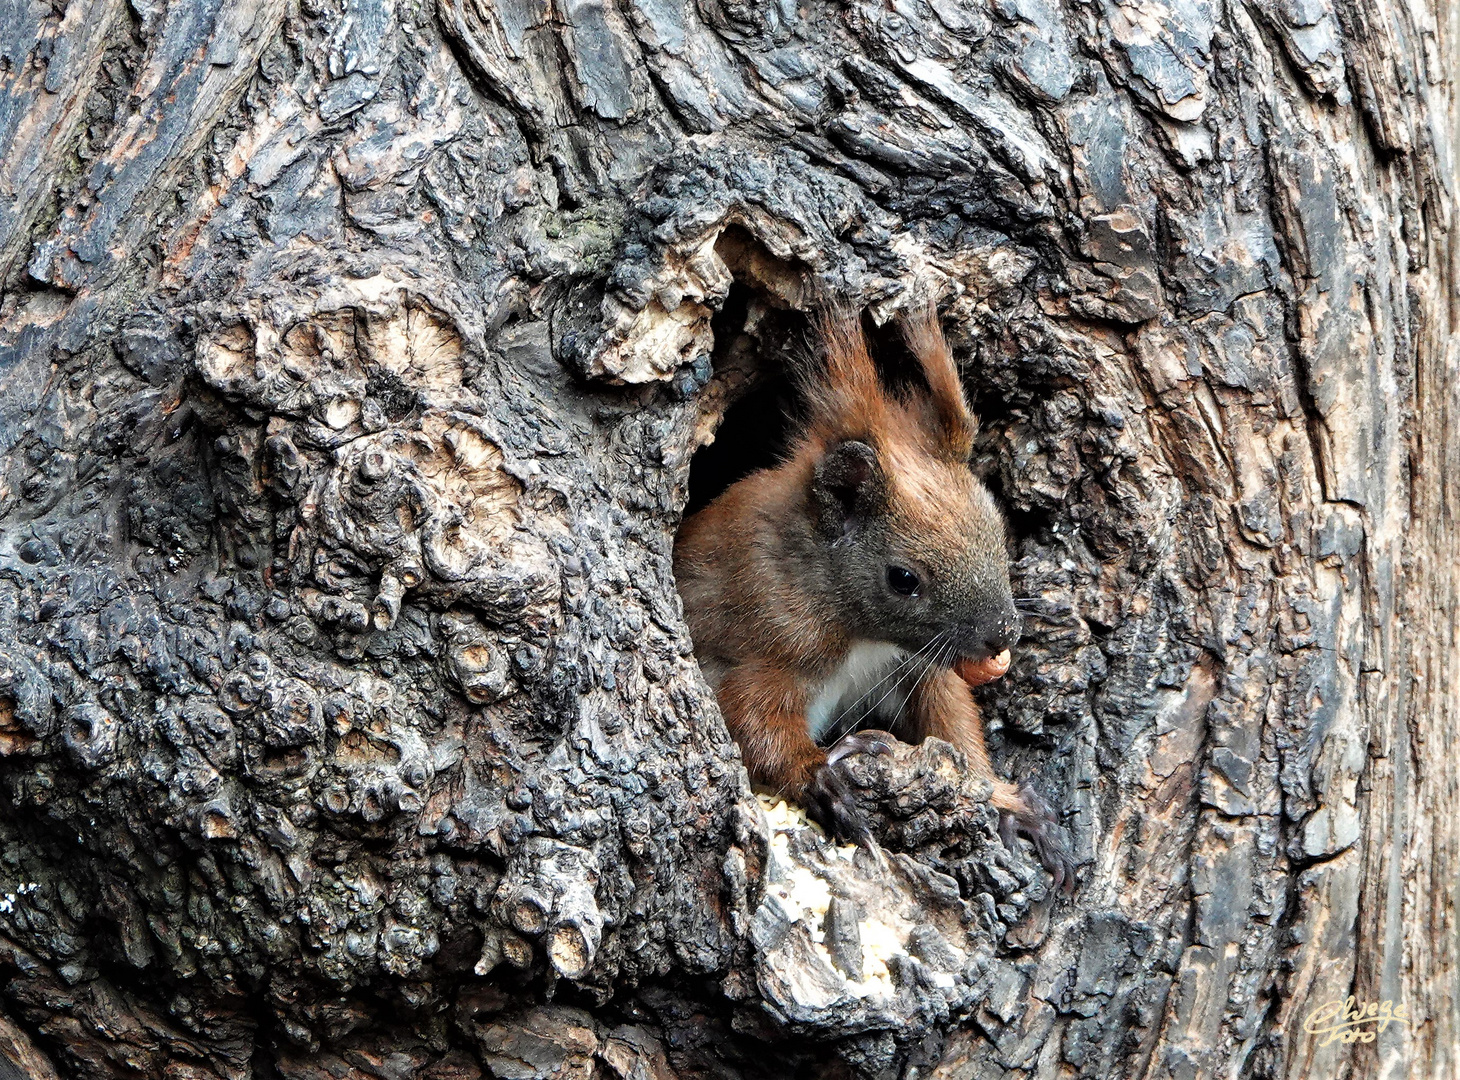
(353, 354)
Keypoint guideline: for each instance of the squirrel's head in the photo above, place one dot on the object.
(914, 542)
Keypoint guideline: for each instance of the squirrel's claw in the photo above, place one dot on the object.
(870, 741)
(830, 804)
(1037, 823)
(829, 800)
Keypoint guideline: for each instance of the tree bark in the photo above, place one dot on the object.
(353, 355)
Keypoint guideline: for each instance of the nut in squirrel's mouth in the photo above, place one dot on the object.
(978, 672)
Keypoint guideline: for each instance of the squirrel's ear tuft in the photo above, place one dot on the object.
(848, 395)
(849, 486)
(954, 423)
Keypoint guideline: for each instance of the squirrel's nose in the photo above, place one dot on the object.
(1003, 633)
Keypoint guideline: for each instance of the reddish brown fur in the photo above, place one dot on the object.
(774, 640)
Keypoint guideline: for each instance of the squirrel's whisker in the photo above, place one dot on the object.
(916, 671)
(840, 728)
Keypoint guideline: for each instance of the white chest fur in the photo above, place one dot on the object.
(866, 672)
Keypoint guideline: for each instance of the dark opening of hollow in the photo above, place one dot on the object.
(758, 349)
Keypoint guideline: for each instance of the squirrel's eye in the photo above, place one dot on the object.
(902, 580)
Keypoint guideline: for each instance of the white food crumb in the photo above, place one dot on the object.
(804, 897)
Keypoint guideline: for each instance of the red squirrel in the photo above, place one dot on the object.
(864, 576)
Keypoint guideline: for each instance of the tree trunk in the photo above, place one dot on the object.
(353, 354)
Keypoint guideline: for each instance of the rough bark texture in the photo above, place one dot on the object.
(353, 354)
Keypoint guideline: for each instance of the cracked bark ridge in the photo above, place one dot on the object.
(940, 912)
(352, 359)
(896, 938)
(921, 802)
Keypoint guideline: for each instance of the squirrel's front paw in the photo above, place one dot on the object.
(829, 799)
(1032, 819)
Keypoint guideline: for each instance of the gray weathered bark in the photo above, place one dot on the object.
(352, 357)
